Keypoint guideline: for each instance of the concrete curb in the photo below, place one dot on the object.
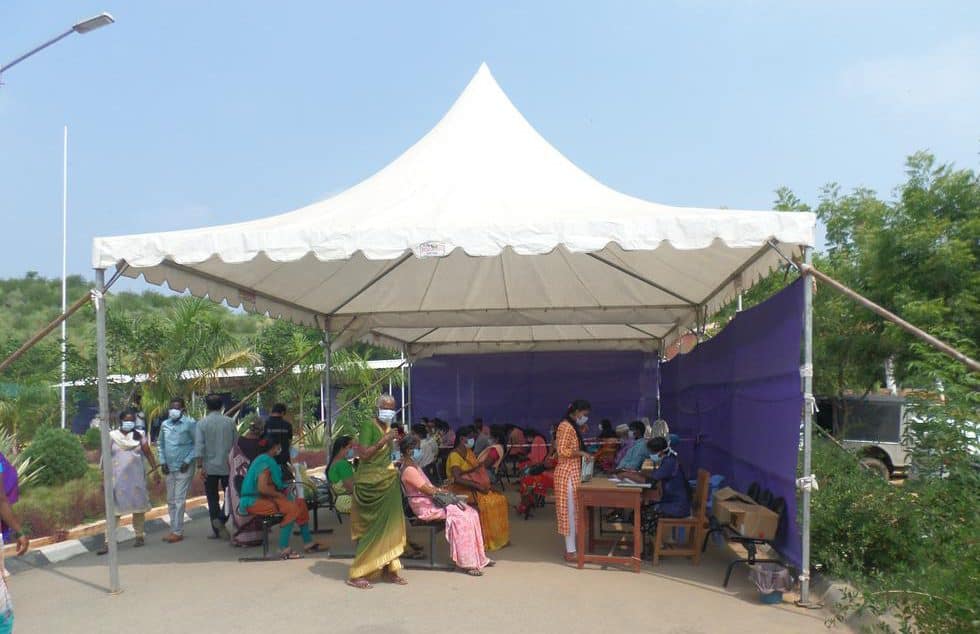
(71, 548)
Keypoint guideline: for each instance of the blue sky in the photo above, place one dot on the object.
(184, 114)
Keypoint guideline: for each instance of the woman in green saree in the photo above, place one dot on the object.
(377, 517)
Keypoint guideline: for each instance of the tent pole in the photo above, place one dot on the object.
(403, 389)
(326, 400)
(807, 424)
(409, 404)
(98, 296)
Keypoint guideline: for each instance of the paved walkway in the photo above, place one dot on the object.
(199, 586)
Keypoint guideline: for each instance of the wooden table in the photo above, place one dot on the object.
(600, 492)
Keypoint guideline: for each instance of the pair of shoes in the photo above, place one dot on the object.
(139, 542)
(102, 551)
(173, 538)
(219, 526)
(571, 557)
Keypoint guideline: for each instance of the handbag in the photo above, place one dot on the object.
(442, 500)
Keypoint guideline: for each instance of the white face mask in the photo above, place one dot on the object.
(174, 414)
(127, 425)
(631, 435)
(386, 415)
(581, 420)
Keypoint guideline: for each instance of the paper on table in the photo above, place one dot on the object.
(634, 485)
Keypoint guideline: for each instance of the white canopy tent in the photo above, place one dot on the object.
(481, 223)
(480, 237)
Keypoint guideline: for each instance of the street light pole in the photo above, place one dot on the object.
(64, 282)
(85, 26)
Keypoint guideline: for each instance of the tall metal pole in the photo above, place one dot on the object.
(328, 398)
(403, 391)
(103, 383)
(410, 399)
(808, 403)
(64, 280)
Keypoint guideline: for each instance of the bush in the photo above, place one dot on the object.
(910, 549)
(92, 439)
(59, 454)
(47, 509)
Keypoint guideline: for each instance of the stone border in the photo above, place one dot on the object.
(58, 552)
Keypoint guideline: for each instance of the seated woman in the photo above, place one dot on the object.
(608, 446)
(493, 455)
(247, 529)
(340, 473)
(634, 458)
(467, 475)
(626, 442)
(675, 497)
(264, 493)
(463, 530)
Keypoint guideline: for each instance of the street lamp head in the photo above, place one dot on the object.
(103, 19)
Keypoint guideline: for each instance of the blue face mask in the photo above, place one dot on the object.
(416, 454)
(470, 442)
(127, 425)
(350, 454)
(656, 458)
(396, 456)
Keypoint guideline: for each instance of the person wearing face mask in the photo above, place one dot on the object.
(215, 437)
(463, 530)
(128, 448)
(377, 517)
(264, 493)
(178, 451)
(246, 530)
(340, 473)
(570, 449)
(468, 476)
(638, 452)
(675, 497)
(277, 425)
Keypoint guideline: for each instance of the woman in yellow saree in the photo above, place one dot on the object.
(377, 517)
(467, 475)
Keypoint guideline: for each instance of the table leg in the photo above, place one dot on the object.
(580, 532)
(637, 537)
(591, 529)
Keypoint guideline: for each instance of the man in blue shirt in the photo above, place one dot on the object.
(178, 451)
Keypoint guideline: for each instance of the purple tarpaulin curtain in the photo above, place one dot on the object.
(736, 402)
(532, 389)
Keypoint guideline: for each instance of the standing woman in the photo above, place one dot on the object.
(128, 448)
(377, 517)
(570, 450)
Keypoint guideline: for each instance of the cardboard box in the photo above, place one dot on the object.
(724, 499)
(752, 520)
(723, 509)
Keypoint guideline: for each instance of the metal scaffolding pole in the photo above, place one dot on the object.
(98, 297)
(808, 404)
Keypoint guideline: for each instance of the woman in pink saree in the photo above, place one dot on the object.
(463, 530)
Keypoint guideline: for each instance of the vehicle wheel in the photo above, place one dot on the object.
(876, 466)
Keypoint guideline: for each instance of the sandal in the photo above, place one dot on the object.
(395, 578)
(474, 572)
(571, 557)
(360, 584)
(315, 547)
(289, 554)
(491, 563)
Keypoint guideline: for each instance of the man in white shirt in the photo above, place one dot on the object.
(428, 445)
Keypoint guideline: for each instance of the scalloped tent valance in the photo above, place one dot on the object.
(480, 237)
